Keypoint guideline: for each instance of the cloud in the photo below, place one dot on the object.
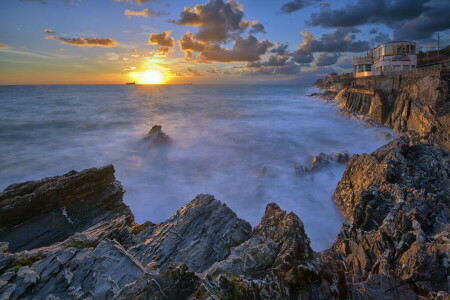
(327, 59)
(137, 1)
(288, 69)
(163, 51)
(410, 19)
(273, 61)
(244, 49)
(193, 72)
(380, 38)
(162, 39)
(146, 12)
(292, 6)
(6, 46)
(345, 63)
(218, 21)
(341, 40)
(280, 49)
(48, 31)
(85, 42)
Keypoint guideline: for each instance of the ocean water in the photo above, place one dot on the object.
(238, 143)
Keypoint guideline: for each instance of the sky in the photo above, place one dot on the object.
(210, 42)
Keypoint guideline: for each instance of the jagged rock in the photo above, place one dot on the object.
(200, 233)
(42, 212)
(396, 203)
(73, 271)
(320, 161)
(404, 104)
(156, 137)
(277, 262)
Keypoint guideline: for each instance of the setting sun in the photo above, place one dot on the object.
(151, 76)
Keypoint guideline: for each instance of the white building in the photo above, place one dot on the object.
(391, 58)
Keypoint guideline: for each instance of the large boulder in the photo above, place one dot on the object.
(39, 213)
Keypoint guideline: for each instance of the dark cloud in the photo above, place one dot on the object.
(161, 39)
(85, 42)
(287, 69)
(280, 49)
(373, 31)
(410, 19)
(292, 6)
(273, 61)
(327, 59)
(147, 12)
(341, 40)
(48, 31)
(217, 20)
(244, 49)
(303, 58)
(380, 38)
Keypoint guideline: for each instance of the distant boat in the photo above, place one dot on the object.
(188, 83)
(130, 83)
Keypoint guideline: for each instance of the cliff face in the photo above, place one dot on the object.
(395, 241)
(419, 104)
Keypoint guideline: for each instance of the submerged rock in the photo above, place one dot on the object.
(319, 162)
(156, 137)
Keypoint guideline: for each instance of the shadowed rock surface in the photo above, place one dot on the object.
(156, 137)
(395, 243)
(39, 213)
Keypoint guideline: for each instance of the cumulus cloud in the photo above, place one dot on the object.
(288, 69)
(162, 39)
(85, 42)
(410, 19)
(327, 59)
(48, 31)
(341, 40)
(280, 49)
(6, 46)
(272, 61)
(244, 49)
(292, 6)
(146, 12)
(217, 20)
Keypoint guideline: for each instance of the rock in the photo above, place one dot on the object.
(42, 212)
(156, 137)
(199, 234)
(396, 203)
(319, 162)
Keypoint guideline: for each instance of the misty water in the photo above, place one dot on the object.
(238, 143)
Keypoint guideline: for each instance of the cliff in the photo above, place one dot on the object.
(417, 104)
(395, 240)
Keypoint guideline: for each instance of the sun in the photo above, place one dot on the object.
(151, 77)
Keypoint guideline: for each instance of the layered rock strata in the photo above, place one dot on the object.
(395, 242)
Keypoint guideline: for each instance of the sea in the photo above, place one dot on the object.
(240, 143)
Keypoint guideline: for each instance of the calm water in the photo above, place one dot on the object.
(236, 142)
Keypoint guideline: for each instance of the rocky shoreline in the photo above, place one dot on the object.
(72, 236)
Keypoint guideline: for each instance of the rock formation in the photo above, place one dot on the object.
(156, 137)
(395, 240)
(404, 104)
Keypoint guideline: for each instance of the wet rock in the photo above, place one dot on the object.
(156, 137)
(199, 234)
(319, 162)
(396, 203)
(42, 212)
